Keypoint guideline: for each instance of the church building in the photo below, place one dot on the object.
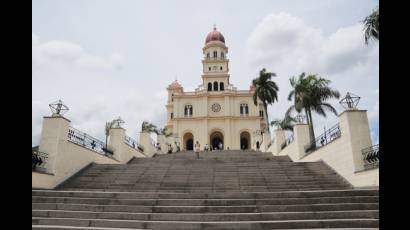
(216, 112)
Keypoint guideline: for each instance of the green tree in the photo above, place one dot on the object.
(149, 127)
(165, 131)
(310, 94)
(371, 26)
(266, 90)
(286, 123)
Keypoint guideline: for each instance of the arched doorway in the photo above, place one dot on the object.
(216, 138)
(188, 141)
(245, 139)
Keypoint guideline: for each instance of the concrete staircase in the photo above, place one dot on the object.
(221, 190)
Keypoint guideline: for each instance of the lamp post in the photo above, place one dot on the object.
(350, 101)
(58, 108)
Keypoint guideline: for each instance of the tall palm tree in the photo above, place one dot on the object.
(286, 123)
(266, 90)
(310, 94)
(371, 26)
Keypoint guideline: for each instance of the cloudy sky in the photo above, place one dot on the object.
(107, 58)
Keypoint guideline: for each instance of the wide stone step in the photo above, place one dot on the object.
(284, 224)
(241, 195)
(203, 189)
(208, 209)
(205, 202)
(56, 227)
(362, 214)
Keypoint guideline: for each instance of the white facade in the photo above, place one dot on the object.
(216, 111)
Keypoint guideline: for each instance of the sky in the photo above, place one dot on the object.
(108, 58)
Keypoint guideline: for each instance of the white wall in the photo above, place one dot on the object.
(342, 154)
(66, 158)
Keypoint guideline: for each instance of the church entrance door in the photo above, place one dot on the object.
(188, 141)
(245, 140)
(215, 139)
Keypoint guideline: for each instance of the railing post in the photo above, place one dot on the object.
(53, 137)
(116, 141)
(354, 127)
(302, 138)
(279, 140)
(145, 141)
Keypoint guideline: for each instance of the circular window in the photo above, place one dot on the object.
(216, 107)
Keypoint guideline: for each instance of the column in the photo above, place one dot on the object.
(116, 141)
(54, 135)
(354, 126)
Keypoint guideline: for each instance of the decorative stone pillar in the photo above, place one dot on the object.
(279, 135)
(54, 134)
(162, 141)
(354, 126)
(145, 141)
(302, 138)
(116, 142)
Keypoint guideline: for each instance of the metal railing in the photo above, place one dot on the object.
(288, 140)
(38, 160)
(371, 157)
(80, 138)
(133, 143)
(324, 139)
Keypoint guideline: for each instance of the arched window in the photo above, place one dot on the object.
(209, 86)
(261, 113)
(172, 115)
(221, 86)
(215, 86)
(208, 55)
(222, 55)
(244, 109)
(215, 54)
(220, 68)
(188, 111)
(209, 68)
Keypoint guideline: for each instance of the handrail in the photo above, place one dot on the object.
(77, 137)
(288, 141)
(324, 139)
(133, 143)
(371, 157)
(38, 160)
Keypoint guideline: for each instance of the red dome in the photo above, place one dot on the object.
(214, 36)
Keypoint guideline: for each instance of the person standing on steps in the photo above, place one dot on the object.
(220, 146)
(197, 149)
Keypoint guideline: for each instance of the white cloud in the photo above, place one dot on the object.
(284, 44)
(68, 53)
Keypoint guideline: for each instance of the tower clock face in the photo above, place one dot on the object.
(216, 107)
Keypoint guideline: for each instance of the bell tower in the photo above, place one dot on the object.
(215, 64)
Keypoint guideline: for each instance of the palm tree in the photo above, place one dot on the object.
(286, 123)
(149, 127)
(371, 26)
(310, 94)
(266, 90)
